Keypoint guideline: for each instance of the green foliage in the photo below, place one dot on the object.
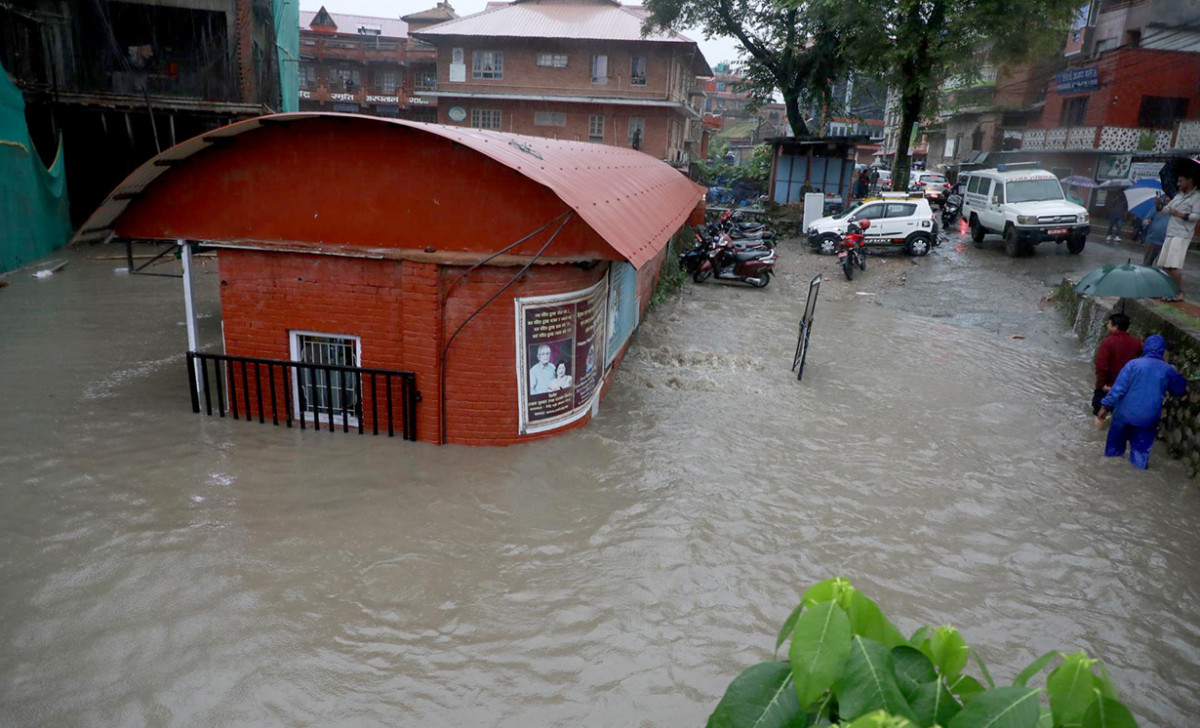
(849, 666)
(672, 276)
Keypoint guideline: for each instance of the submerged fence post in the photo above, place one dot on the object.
(189, 307)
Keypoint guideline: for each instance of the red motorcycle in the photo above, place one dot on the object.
(852, 250)
(726, 261)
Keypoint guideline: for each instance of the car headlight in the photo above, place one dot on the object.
(1083, 217)
(1026, 219)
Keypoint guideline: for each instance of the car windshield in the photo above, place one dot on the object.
(937, 178)
(1033, 190)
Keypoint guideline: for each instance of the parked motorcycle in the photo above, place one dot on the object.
(738, 229)
(951, 209)
(723, 259)
(852, 249)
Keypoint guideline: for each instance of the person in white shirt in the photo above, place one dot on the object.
(1184, 213)
(542, 374)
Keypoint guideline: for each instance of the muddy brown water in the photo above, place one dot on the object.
(165, 569)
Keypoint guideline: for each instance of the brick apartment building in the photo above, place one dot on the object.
(574, 70)
(722, 94)
(367, 65)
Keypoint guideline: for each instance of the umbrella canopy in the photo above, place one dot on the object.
(1079, 181)
(1141, 197)
(1128, 281)
(1171, 169)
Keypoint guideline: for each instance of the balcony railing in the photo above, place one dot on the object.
(1186, 135)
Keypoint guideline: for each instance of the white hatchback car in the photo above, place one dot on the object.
(896, 222)
(930, 184)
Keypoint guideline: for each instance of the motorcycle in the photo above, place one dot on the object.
(951, 209)
(739, 230)
(724, 260)
(852, 249)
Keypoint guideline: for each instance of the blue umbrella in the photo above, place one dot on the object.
(1141, 197)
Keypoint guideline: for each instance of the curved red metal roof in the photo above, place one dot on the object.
(633, 201)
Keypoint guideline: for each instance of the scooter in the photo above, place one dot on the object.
(722, 259)
(739, 230)
(745, 242)
(852, 249)
(951, 209)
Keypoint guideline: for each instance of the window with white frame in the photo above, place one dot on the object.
(387, 81)
(344, 79)
(487, 64)
(637, 71)
(552, 60)
(596, 128)
(549, 118)
(637, 130)
(485, 118)
(308, 76)
(600, 69)
(320, 394)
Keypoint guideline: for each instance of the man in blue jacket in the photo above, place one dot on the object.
(1136, 401)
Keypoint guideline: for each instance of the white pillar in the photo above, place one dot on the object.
(189, 306)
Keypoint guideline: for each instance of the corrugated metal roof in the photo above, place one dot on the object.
(349, 24)
(575, 20)
(631, 200)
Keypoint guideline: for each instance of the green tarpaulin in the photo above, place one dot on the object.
(287, 41)
(34, 215)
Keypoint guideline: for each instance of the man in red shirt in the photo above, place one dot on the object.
(1115, 350)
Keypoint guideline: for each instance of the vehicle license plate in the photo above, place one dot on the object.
(1057, 231)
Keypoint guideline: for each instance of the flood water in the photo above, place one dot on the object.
(161, 568)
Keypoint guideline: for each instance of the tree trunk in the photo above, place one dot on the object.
(791, 102)
(910, 114)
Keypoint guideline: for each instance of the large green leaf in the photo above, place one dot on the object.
(1011, 707)
(761, 697)
(965, 687)
(982, 668)
(1070, 687)
(1035, 667)
(819, 650)
(913, 669)
(869, 682)
(933, 704)
(867, 620)
(1108, 713)
(880, 719)
(1105, 683)
(826, 591)
(788, 625)
(949, 652)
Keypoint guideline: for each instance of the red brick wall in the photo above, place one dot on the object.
(394, 308)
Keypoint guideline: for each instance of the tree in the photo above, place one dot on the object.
(917, 45)
(790, 48)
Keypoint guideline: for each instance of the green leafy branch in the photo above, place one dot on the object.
(849, 666)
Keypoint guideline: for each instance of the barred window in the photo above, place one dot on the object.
(549, 118)
(485, 118)
(320, 394)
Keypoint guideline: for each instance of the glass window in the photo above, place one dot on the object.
(1032, 190)
(485, 118)
(973, 185)
(998, 193)
(868, 212)
(1161, 112)
(387, 81)
(1074, 110)
(344, 78)
(552, 60)
(487, 64)
(901, 210)
(637, 71)
(600, 69)
(596, 128)
(549, 118)
(317, 396)
(637, 127)
(308, 75)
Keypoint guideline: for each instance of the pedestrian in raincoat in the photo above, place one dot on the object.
(1136, 402)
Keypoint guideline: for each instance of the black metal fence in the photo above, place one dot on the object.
(320, 396)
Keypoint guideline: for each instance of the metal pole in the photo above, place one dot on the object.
(189, 305)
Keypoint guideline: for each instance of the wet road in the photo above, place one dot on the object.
(164, 569)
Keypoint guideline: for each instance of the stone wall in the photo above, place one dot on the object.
(1180, 428)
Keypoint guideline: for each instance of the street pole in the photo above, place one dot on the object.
(189, 306)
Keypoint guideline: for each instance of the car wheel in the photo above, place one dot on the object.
(827, 244)
(918, 245)
(1012, 242)
(977, 231)
(1075, 244)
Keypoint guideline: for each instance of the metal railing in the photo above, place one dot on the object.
(305, 393)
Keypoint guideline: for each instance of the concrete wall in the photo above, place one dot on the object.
(1180, 427)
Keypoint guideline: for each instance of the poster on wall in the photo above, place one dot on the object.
(560, 356)
(624, 308)
(1144, 170)
(1113, 166)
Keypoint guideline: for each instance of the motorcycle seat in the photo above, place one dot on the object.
(751, 254)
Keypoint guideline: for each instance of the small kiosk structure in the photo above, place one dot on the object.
(452, 285)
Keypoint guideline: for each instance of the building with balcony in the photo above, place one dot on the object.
(723, 94)
(573, 70)
(122, 81)
(362, 64)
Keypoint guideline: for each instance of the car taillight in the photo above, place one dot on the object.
(920, 184)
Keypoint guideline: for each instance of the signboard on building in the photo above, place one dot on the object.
(1077, 80)
(1144, 170)
(560, 356)
(1113, 166)
(624, 307)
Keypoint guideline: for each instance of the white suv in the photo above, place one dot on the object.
(895, 222)
(1025, 205)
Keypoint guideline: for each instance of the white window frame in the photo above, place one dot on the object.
(479, 62)
(382, 79)
(633, 66)
(478, 115)
(552, 60)
(549, 118)
(596, 128)
(600, 69)
(308, 76)
(295, 347)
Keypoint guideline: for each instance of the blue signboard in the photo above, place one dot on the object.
(1077, 80)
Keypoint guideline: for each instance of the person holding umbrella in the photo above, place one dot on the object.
(1184, 211)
